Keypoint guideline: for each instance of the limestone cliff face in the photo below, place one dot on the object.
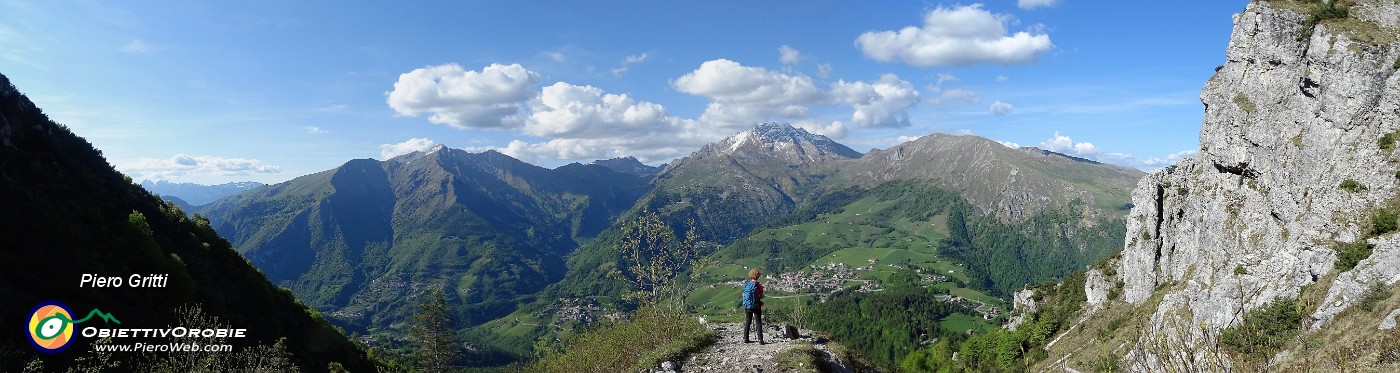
(1256, 214)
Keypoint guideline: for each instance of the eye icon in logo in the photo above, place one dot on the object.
(51, 326)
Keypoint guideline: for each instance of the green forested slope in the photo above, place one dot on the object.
(67, 212)
(365, 241)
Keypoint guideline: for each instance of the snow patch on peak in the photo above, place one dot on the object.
(783, 136)
(420, 154)
(738, 141)
(783, 132)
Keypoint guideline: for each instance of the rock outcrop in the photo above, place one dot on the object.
(1022, 305)
(1291, 165)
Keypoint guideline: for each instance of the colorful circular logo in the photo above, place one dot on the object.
(50, 327)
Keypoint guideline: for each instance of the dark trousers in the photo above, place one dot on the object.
(751, 315)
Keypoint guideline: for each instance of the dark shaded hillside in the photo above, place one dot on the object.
(67, 212)
(363, 242)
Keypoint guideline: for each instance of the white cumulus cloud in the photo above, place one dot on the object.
(583, 123)
(789, 55)
(835, 129)
(648, 149)
(1065, 145)
(416, 144)
(741, 95)
(569, 111)
(451, 95)
(556, 149)
(183, 165)
(1032, 4)
(959, 36)
(1000, 108)
(1169, 159)
(884, 103)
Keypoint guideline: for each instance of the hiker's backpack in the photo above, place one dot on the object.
(750, 297)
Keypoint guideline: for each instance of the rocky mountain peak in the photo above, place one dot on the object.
(783, 132)
(439, 150)
(780, 140)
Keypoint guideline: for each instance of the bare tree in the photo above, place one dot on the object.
(654, 257)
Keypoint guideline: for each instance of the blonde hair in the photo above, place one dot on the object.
(754, 273)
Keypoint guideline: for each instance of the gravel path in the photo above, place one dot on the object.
(731, 354)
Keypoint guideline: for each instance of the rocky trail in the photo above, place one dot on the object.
(731, 354)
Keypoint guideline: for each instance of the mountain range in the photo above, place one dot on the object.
(1275, 248)
(363, 241)
(191, 194)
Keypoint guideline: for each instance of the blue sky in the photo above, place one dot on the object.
(212, 92)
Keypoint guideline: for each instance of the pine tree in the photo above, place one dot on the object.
(437, 344)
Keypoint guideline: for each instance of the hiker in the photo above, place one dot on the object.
(751, 300)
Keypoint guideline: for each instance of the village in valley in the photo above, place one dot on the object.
(821, 281)
(863, 251)
(864, 246)
(817, 282)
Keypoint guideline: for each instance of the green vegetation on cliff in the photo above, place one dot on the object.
(1000, 350)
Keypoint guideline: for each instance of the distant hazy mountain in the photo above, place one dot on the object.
(198, 194)
(362, 242)
(628, 165)
(68, 213)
